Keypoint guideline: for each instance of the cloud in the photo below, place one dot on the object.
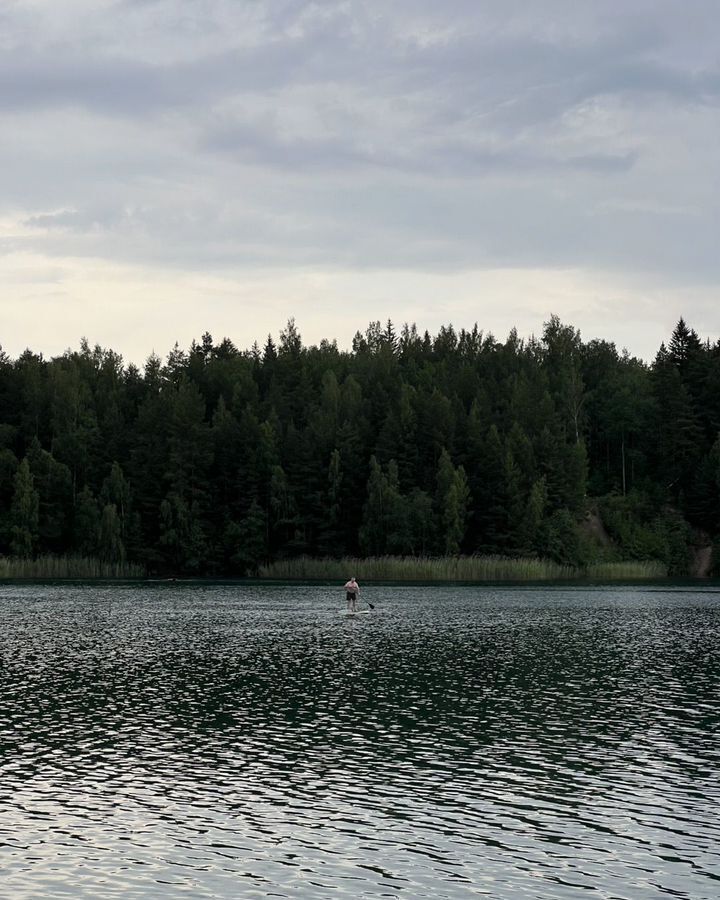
(222, 138)
(62, 220)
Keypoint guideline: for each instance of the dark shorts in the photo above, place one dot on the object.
(350, 596)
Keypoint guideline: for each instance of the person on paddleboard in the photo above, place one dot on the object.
(352, 589)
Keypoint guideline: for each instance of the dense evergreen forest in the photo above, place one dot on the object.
(219, 459)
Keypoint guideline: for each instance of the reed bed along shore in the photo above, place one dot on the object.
(628, 570)
(66, 567)
(453, 568)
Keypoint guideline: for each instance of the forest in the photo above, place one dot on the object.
(217, 459)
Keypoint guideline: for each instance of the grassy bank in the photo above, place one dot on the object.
(453, 568)
(66, 567)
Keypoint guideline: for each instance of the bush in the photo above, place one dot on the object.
(642, 531)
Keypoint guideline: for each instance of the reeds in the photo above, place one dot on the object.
(410, 568)
(51, 567)
(627, 570)
(454, 568)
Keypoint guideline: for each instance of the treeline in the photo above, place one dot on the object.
(217, 459)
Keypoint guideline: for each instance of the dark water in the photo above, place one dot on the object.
(224, 741)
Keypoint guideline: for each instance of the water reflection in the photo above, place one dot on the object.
(226, 742)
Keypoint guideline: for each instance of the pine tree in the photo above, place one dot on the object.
(530, 538)
(420, 522)
(385, 527)
(24, 513)
(246, 542)
(181, 538)
(396, 513)
(86, 523)
(684, 345)
(189, 462)
(563, 361)
(8, 470)
(53, 481)
(331, 542)
(373, 537)
(452, 500)
(116, 491)
(110, 541)
(678, 434)
(284, 519)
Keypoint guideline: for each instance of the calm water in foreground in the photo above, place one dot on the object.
(222, 741)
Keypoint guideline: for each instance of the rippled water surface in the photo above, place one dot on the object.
(232, 741)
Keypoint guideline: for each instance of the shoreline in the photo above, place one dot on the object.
(468, 569)
(461, 570)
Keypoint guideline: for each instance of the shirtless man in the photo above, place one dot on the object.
(352, 589)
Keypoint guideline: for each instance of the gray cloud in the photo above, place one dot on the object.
(211, 134)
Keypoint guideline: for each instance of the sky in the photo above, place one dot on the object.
(171, 167)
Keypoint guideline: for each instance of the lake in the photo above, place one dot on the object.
(232, 741)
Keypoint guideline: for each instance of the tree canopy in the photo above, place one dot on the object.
(218, 459)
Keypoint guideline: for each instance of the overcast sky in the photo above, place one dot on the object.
(169, 167)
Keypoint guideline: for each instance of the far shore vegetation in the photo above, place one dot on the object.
(461, 568)
(80, 567)
(385, 568)
(453, 456)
